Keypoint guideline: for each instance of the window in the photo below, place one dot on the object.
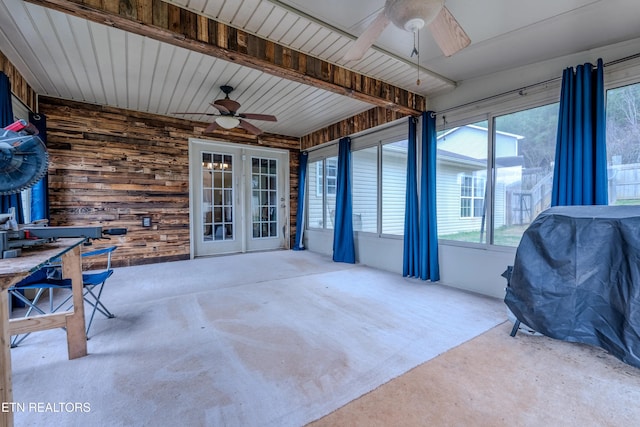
(525, 146)
(523, 152)
(321, 207)
(394, 182)
(461, 185)
(623, 144)
(315, 197)
(472, 189)
(378, 183)
(331, 166)
(331, 179)
(512, 155)
(364, 192)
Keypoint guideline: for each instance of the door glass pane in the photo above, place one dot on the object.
(365, 189)
(217, 196)
(207, 197)
(394, 181)
(525, 144)
(264, 212)
(461, 185)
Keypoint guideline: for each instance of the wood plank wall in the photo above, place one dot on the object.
(111, 167)
(19, 86)
(363, 121)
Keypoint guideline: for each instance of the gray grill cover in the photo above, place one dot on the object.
(576, 277)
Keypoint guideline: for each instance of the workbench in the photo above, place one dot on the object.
(15, 269)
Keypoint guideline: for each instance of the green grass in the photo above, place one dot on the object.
(511, 235)
(627, 202)
(504, 236)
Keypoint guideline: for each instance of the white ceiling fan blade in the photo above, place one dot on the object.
(366, 39)
(447, 33)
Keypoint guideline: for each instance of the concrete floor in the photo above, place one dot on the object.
(263, 339)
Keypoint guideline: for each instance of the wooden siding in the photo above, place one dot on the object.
(394, 188)
(19, 86)
(448, 202)
(314, 198)
(365, 189)
(111, 167)
(358, 123)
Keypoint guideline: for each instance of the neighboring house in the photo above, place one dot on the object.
(461, 183)
(461, 178)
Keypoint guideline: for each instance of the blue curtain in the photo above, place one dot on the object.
(343, 244)
(302, 185)
(429, 267)
(411, 255)
(6, 118)
(39, 194)
(580, 171)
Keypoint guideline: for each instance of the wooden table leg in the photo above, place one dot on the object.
(6, 389)
(76, 333)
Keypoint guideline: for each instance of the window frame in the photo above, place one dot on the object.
(321, 167)
(508, 104)
(392, 132)
(513, 102)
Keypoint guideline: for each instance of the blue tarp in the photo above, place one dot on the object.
(576, 277)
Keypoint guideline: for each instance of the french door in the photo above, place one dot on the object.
(239, 198)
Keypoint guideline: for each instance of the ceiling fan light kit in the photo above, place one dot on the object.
(227, 122)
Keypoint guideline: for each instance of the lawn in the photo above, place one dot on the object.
(503, 236)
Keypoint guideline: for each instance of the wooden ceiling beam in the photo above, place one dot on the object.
(180, 27)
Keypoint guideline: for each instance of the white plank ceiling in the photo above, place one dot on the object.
(65, 56)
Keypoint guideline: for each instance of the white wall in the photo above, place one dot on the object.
(383, 253)
(472, 269)
(475, 269)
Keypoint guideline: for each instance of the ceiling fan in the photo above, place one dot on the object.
(412, 15)
(228, 116)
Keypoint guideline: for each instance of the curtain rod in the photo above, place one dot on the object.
(520, 90)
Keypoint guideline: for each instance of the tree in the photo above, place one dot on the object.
(538, 126)
(623, 124)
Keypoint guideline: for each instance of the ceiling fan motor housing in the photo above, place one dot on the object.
(229, 104)
(412, 15)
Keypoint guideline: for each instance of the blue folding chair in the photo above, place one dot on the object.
(93, 281)
(49, 278)
(42, 280)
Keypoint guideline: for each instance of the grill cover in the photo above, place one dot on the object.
(576, 277)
